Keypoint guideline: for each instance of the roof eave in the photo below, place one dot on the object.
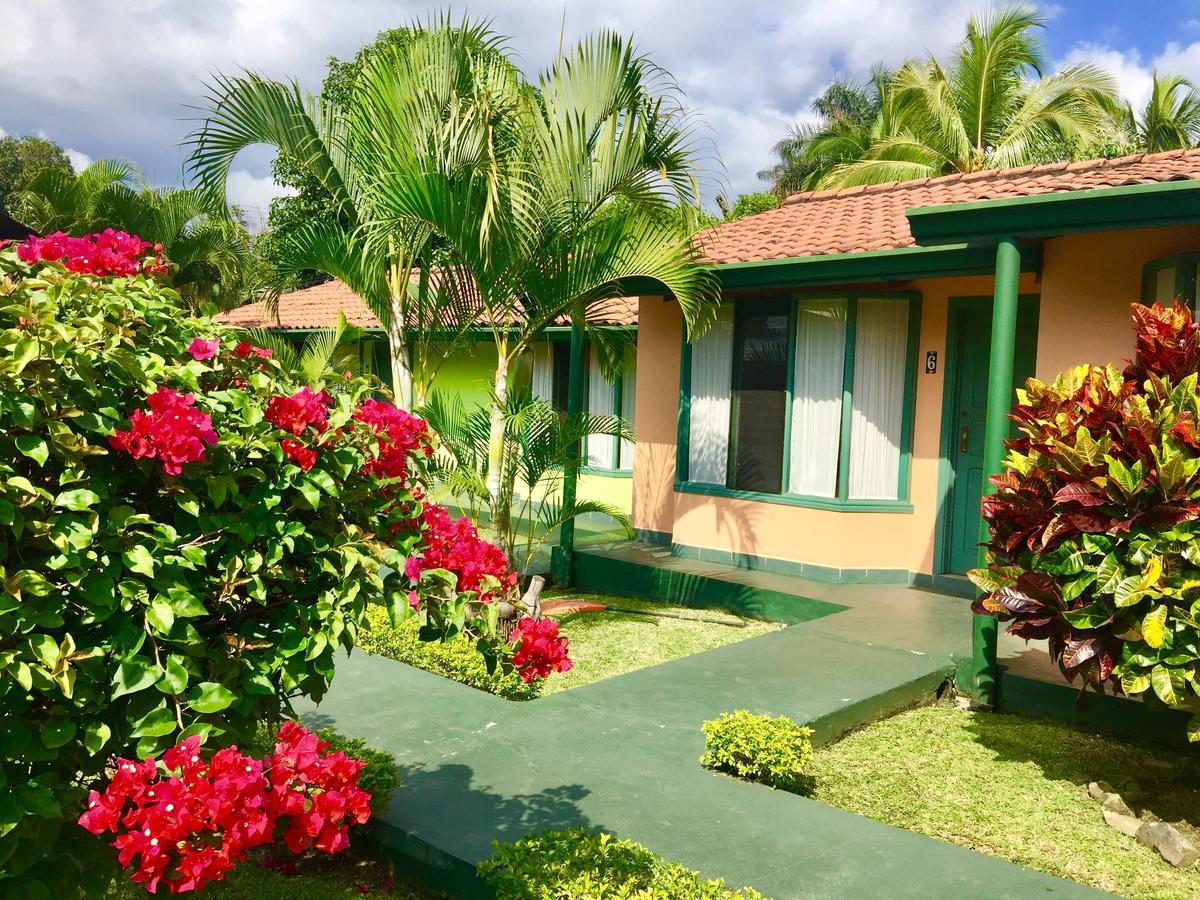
(899, 264)
(1066, 212)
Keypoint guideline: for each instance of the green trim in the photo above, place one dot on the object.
(901, 264)
(1185, 287)
(624, 578)
(792, 568)
(716, 490)
(650, 536)
(1065, 212)
(953, 585)
(909, 410)
(1000, 372)
(793, 321)
(843, 472)
(562, 556)
(683, 426)
(605, 473)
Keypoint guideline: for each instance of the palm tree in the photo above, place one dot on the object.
(990, 107)
(329, 139)
(213, 254)
(443, 140)
(324, 354)
(1170, 120)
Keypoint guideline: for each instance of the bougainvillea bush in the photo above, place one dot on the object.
(187, 538)
(1095, 524)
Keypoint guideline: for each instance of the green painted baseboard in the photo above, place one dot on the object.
(432, 868)
(605, 574)
(811, 571)
(649, 536)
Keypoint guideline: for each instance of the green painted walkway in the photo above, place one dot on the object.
(622, 755)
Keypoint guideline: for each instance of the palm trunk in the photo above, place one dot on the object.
(496, 443)
(398, 351)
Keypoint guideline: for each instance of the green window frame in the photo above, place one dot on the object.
(841, 501)
(618, 391)
(1187, 272)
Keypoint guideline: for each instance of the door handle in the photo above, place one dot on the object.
(964, 437)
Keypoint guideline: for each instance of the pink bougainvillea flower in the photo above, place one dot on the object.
(202, 349)
(540, 650)
(172, 431)
(105, 253)
(193, 824)
(399, 435)
(244, 349)
(455, 545)
(304, 457)
(295, 413)
(413, 600)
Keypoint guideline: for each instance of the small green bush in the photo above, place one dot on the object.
(583, 865)
(456, 659)
(759, 748)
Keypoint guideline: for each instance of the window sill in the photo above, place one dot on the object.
(608, 473)
(848, 506)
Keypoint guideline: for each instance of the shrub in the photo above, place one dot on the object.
(456, 658)
(170, 567)
(1094, 534)
(759, 748)
(583, 865)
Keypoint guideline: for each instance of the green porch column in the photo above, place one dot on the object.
(984, 671)
(561, 558)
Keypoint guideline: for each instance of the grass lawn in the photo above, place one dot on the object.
(604, 644)
(315, 877)
(1016, 787)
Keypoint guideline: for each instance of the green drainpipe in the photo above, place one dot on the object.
(562, 567)
(984, 671)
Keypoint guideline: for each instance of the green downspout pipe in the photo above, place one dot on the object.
(562, 566)
(984, 670)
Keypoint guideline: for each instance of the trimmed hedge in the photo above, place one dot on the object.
(774, 752)
(586, 865)
(456, 659)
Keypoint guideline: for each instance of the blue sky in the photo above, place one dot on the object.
(117, 77)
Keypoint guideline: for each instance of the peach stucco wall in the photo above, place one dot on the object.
(1087, 284)
(656, 414)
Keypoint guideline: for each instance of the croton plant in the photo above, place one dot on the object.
(187, 537)
(1095, 523)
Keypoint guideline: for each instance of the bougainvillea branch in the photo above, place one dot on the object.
(105, 253)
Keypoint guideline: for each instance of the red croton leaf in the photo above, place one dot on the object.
(1078, 651)
(1078, 493)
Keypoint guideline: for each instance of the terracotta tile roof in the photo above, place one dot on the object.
(858, 219)
(318, 307)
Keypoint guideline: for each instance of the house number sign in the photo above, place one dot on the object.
(931, 362)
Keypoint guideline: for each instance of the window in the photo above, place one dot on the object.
(551, 372)
(604, 398)
(1175, 276)
(804, 398)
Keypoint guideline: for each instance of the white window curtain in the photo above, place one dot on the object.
(708, 416)
(817, 398)
(543, 371)
(601, 448)
(881, 343)
(628, 398)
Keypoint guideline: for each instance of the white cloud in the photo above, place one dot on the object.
(1126, 66)
(253, 195)
(79, 159)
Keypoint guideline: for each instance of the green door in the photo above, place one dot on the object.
(966, 410)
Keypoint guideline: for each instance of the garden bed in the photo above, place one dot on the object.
(603, 644)
(1015, 787)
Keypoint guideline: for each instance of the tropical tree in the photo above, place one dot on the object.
(1170, 120)
(444, 143)
(991, 106)
(213, 251)
(323, 355)
(327, 143)
(23, 157)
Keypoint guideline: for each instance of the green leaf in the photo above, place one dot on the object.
(78, 499)
(138, 559)
(57, 732)
(1091, 616)
(156, 723)
(34, 447)
(210, 697)
(310, 493)
(1109, 574)
(95, 736)
(1154, 626)
(160, 615)
(135, 675)
(1135, 684)
(324, 480)
(1168, 684)
(1193, 728)
(175, 677)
